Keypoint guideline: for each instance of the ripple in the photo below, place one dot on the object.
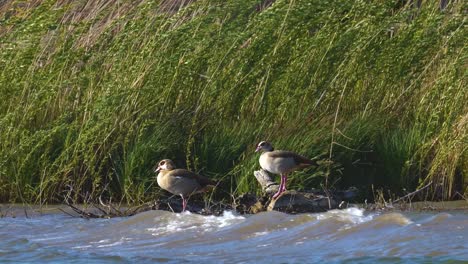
(340, 236)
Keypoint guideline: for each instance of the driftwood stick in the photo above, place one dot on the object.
(66, 212)
(268, 185)
(413, 193)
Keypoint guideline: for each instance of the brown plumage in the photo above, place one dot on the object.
(181, 182)
(281, 162)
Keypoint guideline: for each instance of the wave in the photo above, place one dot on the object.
(351, 234)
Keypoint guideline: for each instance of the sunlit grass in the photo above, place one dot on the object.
(94, 93)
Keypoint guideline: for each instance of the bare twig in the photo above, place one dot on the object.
(168, 204)
(413, 193)
(328, 196)
(66, 212)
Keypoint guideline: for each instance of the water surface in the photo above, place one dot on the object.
(345, 236)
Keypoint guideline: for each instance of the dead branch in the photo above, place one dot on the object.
(268, 185)
(413, 193)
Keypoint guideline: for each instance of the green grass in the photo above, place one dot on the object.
(94, 93)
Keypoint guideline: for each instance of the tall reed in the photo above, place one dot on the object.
(94, 93)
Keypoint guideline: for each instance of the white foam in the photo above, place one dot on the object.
(264, 245)
(187, 221)
(116, 243)
(101, 241)
(227, 219)
(48, 238)
(257, 234)
(82, 247)
(111, 244)
(350, 215)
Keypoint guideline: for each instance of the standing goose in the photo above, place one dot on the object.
(281, 162)
(181, 182)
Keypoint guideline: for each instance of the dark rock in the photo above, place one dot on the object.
(245, 202)
(294, 202)
(310, 201)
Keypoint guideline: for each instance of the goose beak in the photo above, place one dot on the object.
(258, 149)
(158, 169)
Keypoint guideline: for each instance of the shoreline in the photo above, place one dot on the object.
(30, 211)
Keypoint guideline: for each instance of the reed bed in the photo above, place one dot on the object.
(94, 93)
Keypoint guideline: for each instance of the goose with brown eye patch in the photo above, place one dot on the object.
(281, 162)
(181, 182)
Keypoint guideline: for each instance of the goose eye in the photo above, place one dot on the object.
(162, 163)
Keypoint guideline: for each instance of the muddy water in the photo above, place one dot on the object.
(345, 236)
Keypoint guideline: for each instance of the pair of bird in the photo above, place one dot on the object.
(185, 183)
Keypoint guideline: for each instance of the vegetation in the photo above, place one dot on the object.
(94, 93)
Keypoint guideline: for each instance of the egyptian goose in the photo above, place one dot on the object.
(181, 182)
(281, 162)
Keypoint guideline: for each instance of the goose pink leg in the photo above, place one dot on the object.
(184, 203)
(281, 188)
(285, 179)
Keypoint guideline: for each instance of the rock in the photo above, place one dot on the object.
(294, 202)
(245, 202)
(257, 208)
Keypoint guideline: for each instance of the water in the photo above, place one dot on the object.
(346, 236)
